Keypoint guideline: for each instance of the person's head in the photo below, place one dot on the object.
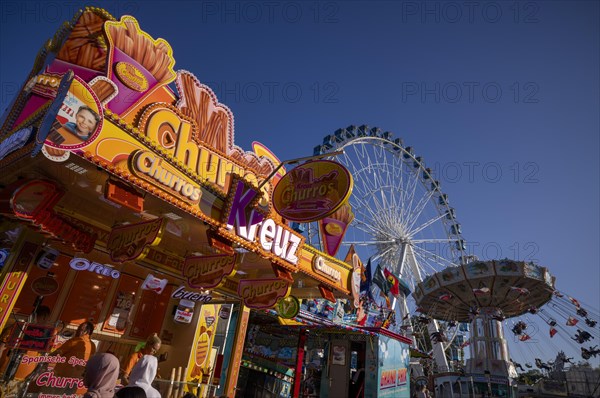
(189, 395)
(144, 372)
(101, 373)
(131, 392)
(86, 328)
(86, 120)
(152, 346)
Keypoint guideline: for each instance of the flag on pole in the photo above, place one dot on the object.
(380, 281)
(365, 283)
(393, 282)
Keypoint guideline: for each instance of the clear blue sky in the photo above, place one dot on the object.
(500, 98)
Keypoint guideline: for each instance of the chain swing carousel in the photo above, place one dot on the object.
(484, 294)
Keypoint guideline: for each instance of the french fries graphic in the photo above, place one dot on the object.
(154, 55)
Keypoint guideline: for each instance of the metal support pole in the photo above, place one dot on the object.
(297, 160)
(299, 362)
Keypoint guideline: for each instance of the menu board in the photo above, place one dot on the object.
(36, 337)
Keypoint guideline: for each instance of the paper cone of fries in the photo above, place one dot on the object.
(333, 228)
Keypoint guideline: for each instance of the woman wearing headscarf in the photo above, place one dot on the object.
(151, 347)
(101, 373)
(143, 373)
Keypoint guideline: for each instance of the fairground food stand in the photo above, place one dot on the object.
(127, 204)
(337, 359)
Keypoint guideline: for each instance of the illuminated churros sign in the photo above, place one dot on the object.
(128, 242)
(312, 191)
(34, 201)
(207, 272)
(119, 103)
(150, 167)
(262, 293)
(321, 267)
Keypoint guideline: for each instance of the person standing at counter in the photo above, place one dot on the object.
(81, 348)
(143, 374)
(76, 351)
(152, 346)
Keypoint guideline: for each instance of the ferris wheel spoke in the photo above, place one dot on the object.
(425, 263)
(361, 157)
(419, 207)
(414, 184)
(370, 229)
(409, 198)
(367, 243)
(432, 240)
(369, 212)
(381, 183)
(364, 176)
(373, 209)
(379, 205)
(440, 260)
(382, 254)
(400, 175)
(425, 225)
(351, 163)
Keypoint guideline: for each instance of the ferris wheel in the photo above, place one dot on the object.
(402, 218)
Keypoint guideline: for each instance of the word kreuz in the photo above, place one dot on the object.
(252, 225)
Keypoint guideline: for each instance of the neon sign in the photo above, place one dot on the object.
(252, 226)
(151, 168)
(312, 191)
(208, 271)
(81, 264)
(322, 268)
